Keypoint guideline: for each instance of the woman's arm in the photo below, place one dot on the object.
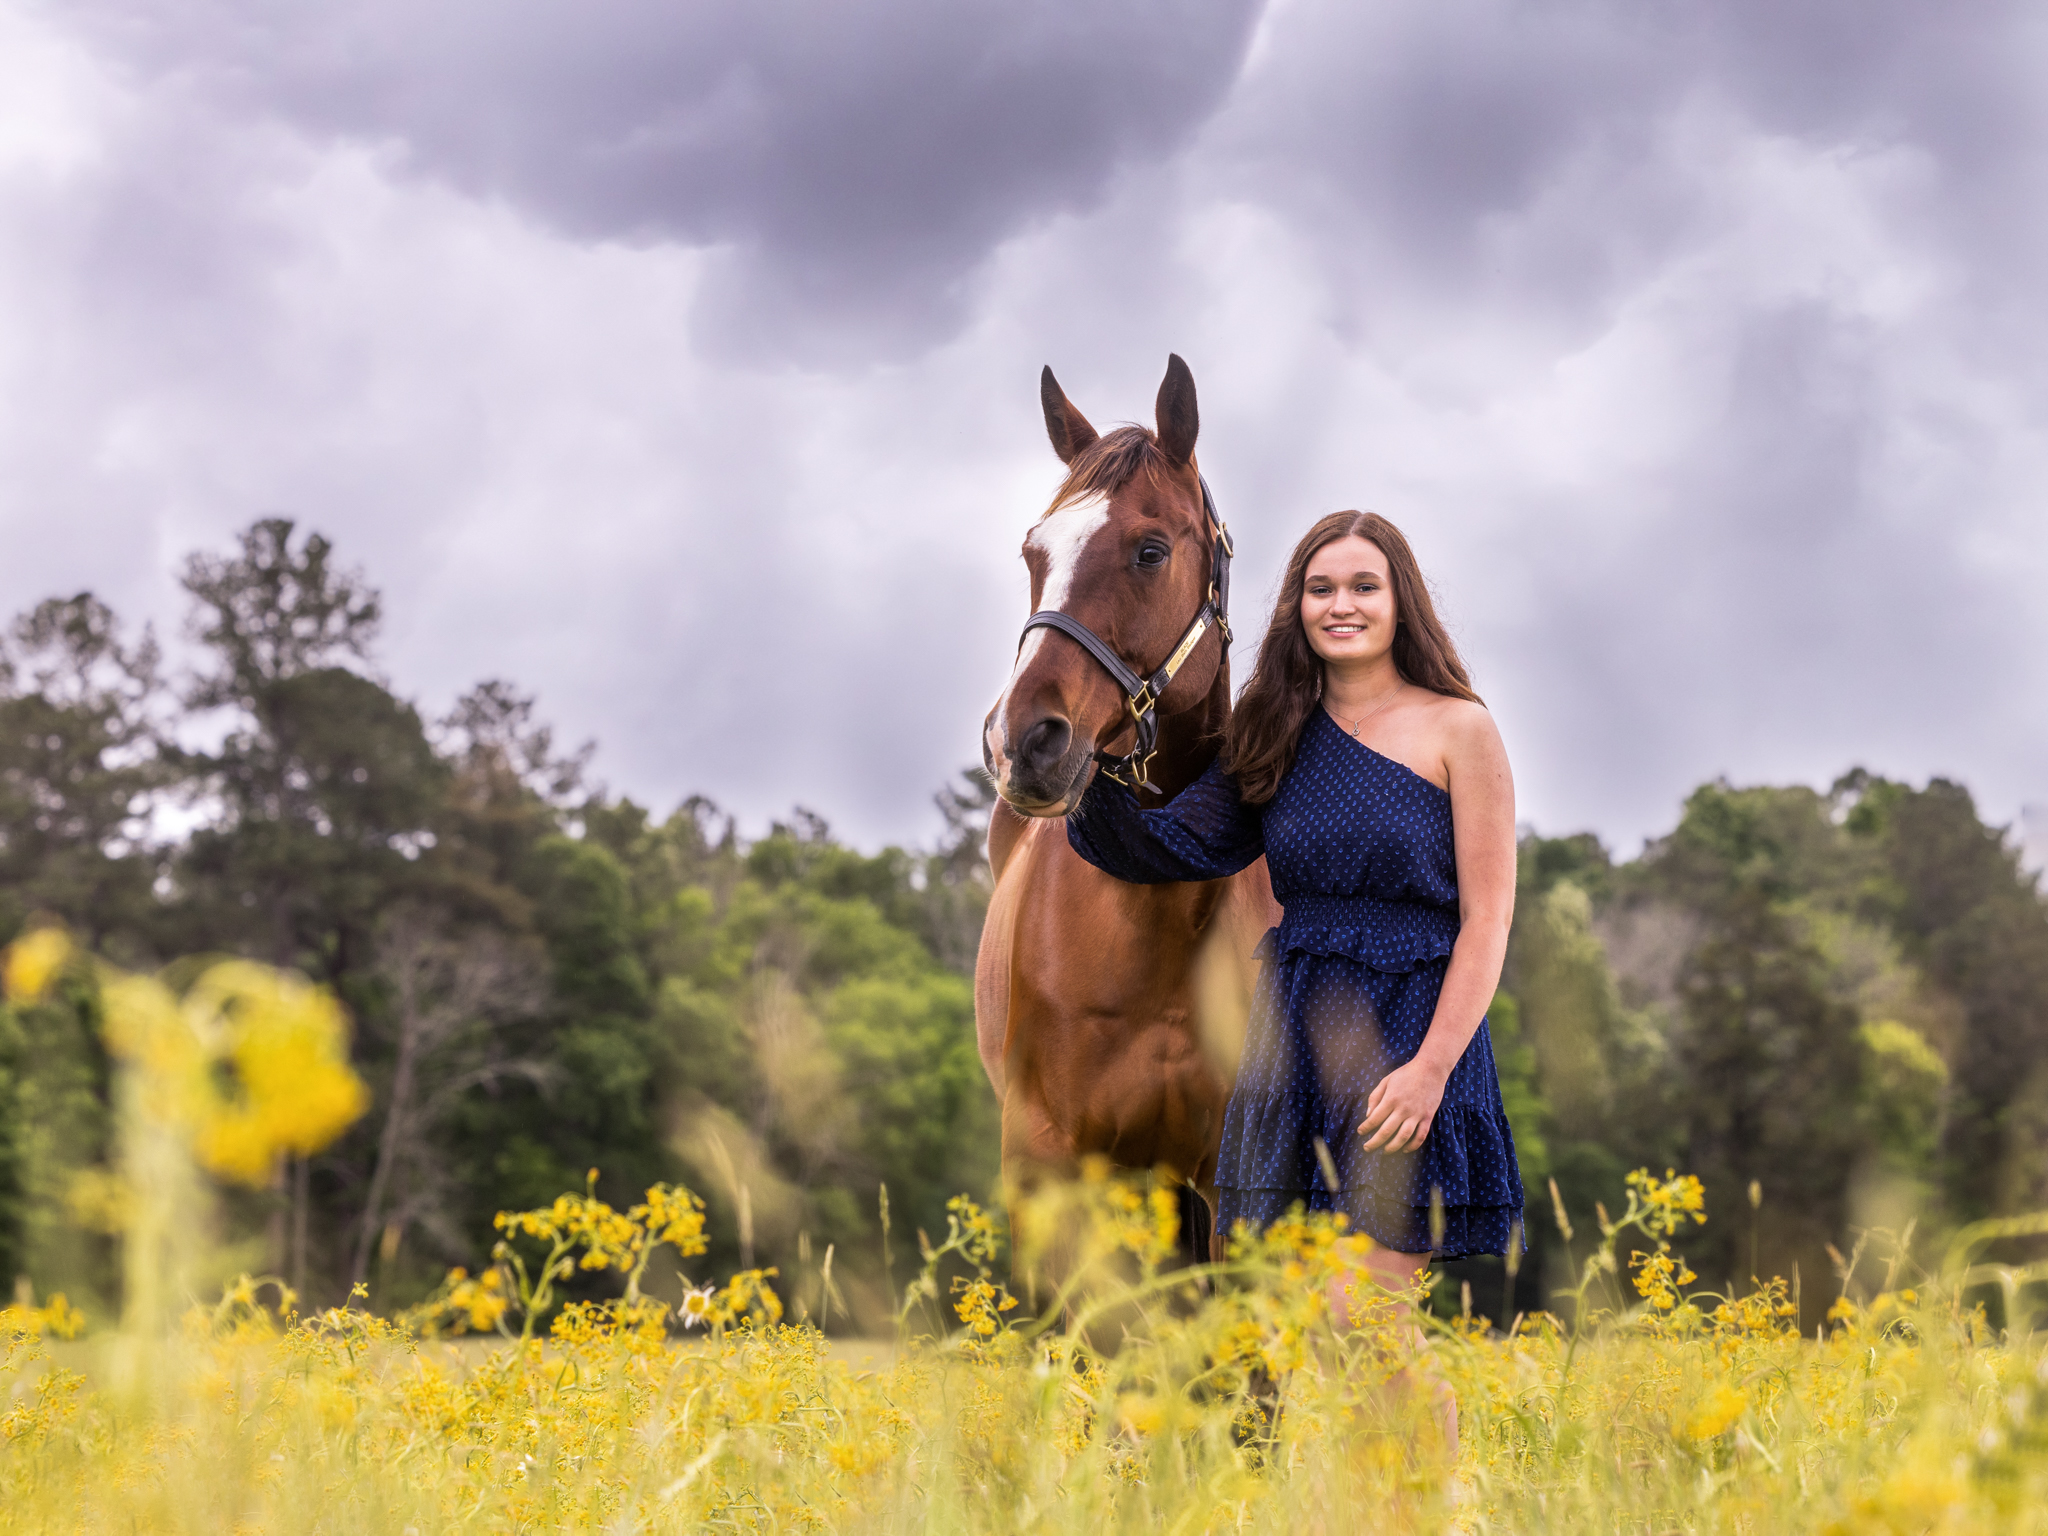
(1203, 833)
(1403, 1107)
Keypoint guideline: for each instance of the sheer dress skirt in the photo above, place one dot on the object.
(1326, 1027)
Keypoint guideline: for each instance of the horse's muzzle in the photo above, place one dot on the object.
(1043, 773)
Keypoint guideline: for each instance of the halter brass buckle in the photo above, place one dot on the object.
(1139, 769)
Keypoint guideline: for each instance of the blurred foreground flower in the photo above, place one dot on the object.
(287, 1088)
(241, 1069)
(1717, 1414)
(56, 1316)
(32, 962)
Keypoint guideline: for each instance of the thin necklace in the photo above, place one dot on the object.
(1360, 721)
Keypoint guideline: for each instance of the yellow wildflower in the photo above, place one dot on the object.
(1659, 1276)
(1717, 1414)
(32, 962)
(290, 1089)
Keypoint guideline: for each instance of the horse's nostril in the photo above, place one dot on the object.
(1045, 743)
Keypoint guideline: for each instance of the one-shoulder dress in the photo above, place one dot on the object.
(1362, 861)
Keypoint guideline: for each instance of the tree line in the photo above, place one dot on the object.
(544, 978)
(1833, 1007)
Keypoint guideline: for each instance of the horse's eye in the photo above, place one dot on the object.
(1151, 555)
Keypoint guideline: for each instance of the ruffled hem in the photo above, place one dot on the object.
(1392, 936)
(1269, 1143)
(1468, 1230)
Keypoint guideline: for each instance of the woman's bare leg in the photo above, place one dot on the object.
(1396, 1273)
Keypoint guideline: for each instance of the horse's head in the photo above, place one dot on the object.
(1125, 548)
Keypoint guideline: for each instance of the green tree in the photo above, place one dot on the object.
(956, 882)
(1975, 922)
(324, 793)
(1772, 1064)
(327, 786)
(80, 770)
(1583, 1076)
(54, 1121)
(1804, 1051)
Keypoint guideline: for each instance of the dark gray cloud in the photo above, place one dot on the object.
(858, 161)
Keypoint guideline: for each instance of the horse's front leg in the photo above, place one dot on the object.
(1035, 1152)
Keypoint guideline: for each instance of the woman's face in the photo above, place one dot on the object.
(1347, 603)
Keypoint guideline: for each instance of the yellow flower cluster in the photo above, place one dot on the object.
(1145, 1222)
(1763, 1312)
(56, 1317)
(1717, 1414)
(1309, 1255)
(231, 1073)
(613, 1239)
(481, 1302)
(608, 1238)
(1658, 1277)
(1668, 1201)
(582, 1232)
(981, 1305)
(289, 1090)
(674, 1216)
(32, 963)
(249, 1064)
(748, 1297)
(976, 1230)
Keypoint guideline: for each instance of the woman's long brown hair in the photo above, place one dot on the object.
(1287, 683)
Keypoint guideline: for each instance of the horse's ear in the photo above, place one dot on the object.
(1179, 421)
(1067, 427)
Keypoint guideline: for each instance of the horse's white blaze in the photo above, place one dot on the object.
(1061, 538)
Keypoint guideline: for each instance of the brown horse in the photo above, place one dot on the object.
(1110, 1015)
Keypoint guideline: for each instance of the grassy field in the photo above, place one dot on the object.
(1120, 1406)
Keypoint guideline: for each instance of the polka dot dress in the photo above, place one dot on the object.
(1361, 855)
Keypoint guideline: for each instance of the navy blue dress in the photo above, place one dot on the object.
(1362, 861)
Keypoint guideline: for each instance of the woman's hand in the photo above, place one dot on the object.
(1402, 1109)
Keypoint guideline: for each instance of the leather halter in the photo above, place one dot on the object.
(1141, 694)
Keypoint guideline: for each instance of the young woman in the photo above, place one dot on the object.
(1362, 765)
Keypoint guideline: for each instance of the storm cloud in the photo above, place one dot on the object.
(851, 164)
(680, 361)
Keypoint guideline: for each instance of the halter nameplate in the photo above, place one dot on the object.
(1194, 638)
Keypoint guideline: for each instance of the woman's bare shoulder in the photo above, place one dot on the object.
(1467, 740)
(1463, 721)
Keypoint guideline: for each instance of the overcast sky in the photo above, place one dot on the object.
(677, 359)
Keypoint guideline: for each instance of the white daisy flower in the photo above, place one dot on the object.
(695, 1307)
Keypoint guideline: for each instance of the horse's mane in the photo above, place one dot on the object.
(1109, 464)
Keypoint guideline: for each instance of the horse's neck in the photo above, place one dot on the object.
(1189, 742)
